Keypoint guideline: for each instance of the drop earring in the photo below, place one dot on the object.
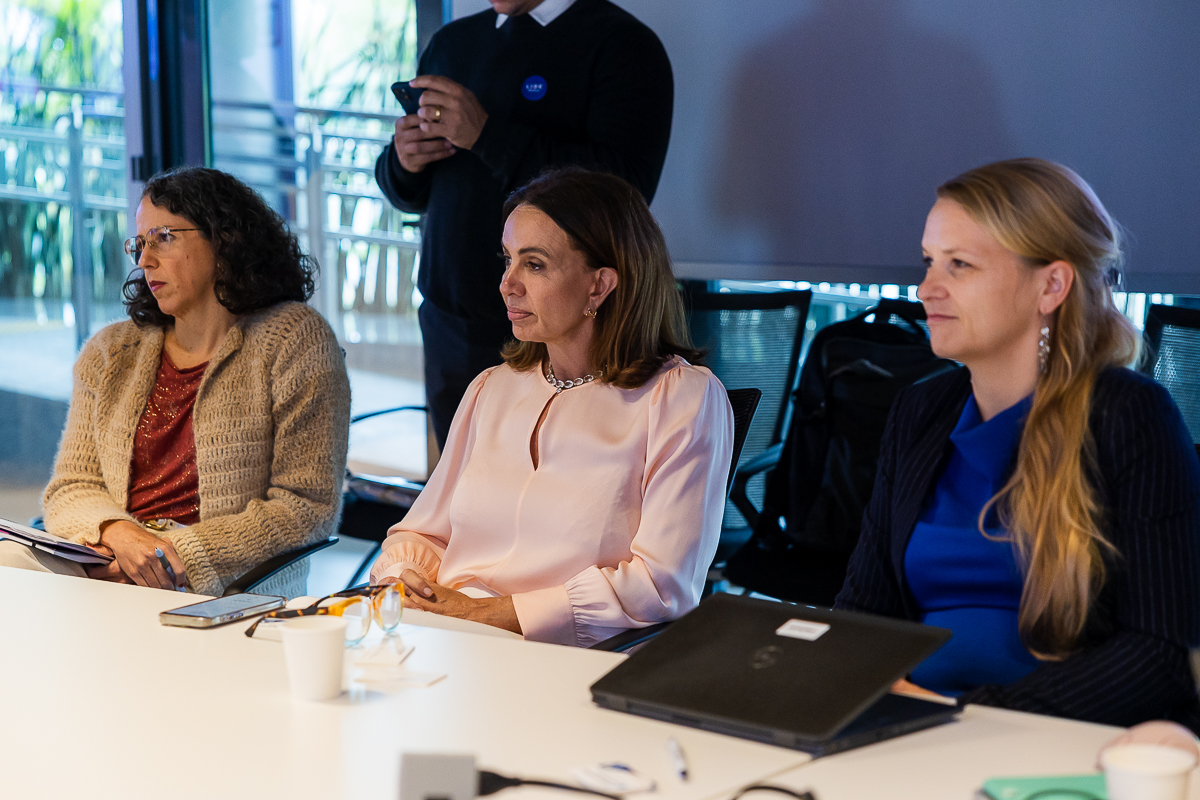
(1044, 348)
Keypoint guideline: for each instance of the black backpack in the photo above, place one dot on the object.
(816, 495)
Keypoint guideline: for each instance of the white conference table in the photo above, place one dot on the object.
(98, 700)
(953, 761)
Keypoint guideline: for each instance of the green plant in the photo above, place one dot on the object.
(62, 59)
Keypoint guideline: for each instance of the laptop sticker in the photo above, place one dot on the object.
(802, 629)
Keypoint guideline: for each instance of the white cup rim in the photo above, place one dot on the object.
(315, 624)
(1148, 759)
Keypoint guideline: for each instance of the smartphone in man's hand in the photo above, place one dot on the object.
(408, 95)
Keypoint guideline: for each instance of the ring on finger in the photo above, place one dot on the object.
(437, 114)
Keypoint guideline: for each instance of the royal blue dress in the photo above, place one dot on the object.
(960, 579)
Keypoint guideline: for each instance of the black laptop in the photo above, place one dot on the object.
(807, 678)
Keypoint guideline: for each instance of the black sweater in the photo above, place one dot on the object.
(607, 106)
(1132, 665)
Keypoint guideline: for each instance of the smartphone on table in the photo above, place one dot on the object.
(408, 95)
(221, 610)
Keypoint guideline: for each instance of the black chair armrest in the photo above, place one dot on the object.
(763, 462)
(271, 566)
(631, 638)
(381, 412)
(385, 489)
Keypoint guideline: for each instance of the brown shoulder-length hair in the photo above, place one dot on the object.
(1050, 507)
(640, 325)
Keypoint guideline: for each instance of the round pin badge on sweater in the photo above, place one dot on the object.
(534, 88)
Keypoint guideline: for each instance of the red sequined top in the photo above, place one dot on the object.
(163, 482)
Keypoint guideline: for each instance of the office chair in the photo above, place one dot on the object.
(1172, 337)
(749, 339)
(895, 312)
(269, 568)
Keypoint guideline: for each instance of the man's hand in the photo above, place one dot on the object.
(450, 110)
(133, 548)
(415, 148)
(106, 572)
(437, 599)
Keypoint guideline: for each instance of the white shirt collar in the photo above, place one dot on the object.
(546, 12)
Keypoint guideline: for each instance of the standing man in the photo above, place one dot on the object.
(509, 92)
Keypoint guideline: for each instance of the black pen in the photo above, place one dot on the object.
(162, 559)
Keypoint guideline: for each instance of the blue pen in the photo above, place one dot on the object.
(162, 559)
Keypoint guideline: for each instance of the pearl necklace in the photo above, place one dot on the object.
(560, 386)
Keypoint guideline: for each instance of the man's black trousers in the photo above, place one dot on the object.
(456, 350)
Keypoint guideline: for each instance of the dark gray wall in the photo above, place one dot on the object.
(810, 134)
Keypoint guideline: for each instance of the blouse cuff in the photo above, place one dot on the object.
(394, 571)
(407, 550)
(546, 616)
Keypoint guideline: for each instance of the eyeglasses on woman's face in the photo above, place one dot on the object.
(383, 603)
(161, 240)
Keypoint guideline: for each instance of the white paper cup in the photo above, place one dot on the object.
(1146, 772)
(314, 648)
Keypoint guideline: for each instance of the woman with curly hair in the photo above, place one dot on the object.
(212, 425)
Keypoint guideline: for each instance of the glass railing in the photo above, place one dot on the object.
(64, 220)
(62, 224)
(65, 184)
(316, 166)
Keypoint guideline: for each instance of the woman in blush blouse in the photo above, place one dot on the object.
(1044, 502)
(583, 482)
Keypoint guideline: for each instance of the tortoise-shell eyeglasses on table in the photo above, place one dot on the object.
(358, 606)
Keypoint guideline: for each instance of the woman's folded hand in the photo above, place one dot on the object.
(428, 596)
(133, 550)
(106, 572)
(416, 583)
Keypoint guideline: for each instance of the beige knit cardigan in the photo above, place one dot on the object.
(271, 422)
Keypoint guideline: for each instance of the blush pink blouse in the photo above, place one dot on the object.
(614, 529)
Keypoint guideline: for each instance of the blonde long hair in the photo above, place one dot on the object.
(1045, 212)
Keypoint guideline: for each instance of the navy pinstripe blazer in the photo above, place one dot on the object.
(1132, 664)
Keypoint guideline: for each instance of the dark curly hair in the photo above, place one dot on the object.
(259, 261)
